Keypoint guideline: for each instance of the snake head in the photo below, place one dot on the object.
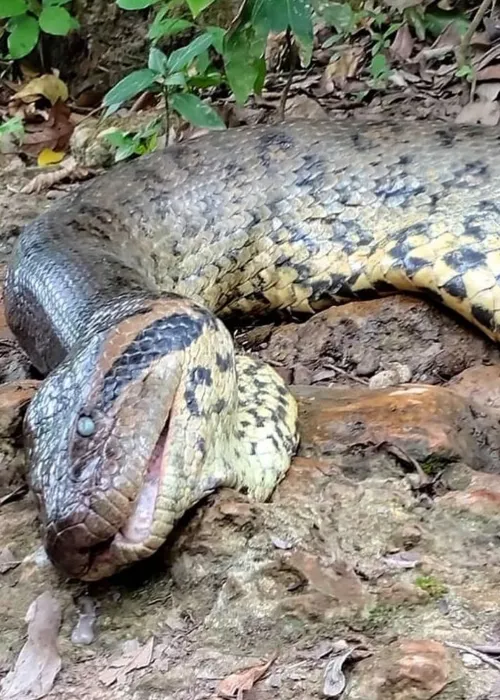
(117, 437)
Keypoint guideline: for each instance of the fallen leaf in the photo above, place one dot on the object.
(138, 657)
(54, 133)
(341, 67)
(491, 72)
(403, 43)
(481, 112)
(237, 683)
(7, 560)
(49, 86)
(49, 157)
(39, 662)
(334, 678)
(69, 170)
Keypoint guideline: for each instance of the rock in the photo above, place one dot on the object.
(432, 425)
(410, 669)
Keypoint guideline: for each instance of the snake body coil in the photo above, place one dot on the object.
(114, 292)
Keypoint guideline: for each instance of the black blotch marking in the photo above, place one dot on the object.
(191, 402)
(383, 287)
(160, 338)
(414, 265)
(253, 448)
(396, 188)
(484, 316)
(311, 171)
(405, 160)
(470, 173)
(464, 259)
(201, 375)
(456, 287)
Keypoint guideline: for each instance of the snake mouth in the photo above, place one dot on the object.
(74, 550)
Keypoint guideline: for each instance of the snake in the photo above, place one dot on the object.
(122, 294)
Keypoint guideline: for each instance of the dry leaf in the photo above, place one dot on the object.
(54, 133)
(69, 170)
(139, 657)
(237, 683)
(487, 113)
(491, 72)
(340, 68)
(38, 662)
(49, 86)
(334, 679)
(49, 157)
(7, 561)
(402, 46)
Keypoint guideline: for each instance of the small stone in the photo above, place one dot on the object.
(471, 661)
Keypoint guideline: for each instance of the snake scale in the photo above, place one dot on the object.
(119, 293)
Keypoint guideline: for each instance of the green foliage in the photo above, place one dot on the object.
(431, 585)
(128, 143)
(25, 19)
(14, 126)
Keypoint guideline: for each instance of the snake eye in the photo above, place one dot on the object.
(85, 426)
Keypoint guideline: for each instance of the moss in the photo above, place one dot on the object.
(431, 585)
(433, 464)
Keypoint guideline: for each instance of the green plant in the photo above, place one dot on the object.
(24, 19)
(187, 70)
(128, 143)
(13, 126)
(431, 585)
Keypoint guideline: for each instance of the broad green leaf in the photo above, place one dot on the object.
(278, 15)
(243, 54)
(175, 79)
(116, 137)
(180, 59)
(379, 65)
(125, 151)
(157, 61)
(197, 6)
(12, 8)
(128, 87)
(195, 111)
(210, 79)
(23, 37)
(56, 20)
(339, 15)
(135, 4)
(160, 28)
(48, 3)
(217, 34)
(436, 21)
(14, 125)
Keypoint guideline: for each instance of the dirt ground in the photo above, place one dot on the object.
(381, 544)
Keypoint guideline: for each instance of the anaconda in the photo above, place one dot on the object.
(119, 293)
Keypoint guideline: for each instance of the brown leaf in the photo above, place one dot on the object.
(402, 46)
(491, 72)
(340, 68)
(54, 133)
(138, 657)
(38, 662)
(237, 683)
(482, 112)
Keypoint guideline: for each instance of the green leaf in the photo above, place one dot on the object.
(128, 87)
(124, 152)
(175, 79)
(56, 20)
(14, 125)
(48, 3)
(379, 66)
(180, 59)
(278, 15)
(197, 6)
(135, 4)
(217, 34)
(436, 21)
(157, 61)
(160, 28)
(339, 15)
(243, 54)
(12, 8)
(23, 37)
(195, 111)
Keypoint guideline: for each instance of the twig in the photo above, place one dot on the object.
(464, 44)
(292, 55)
(14, 495)
(470, 650)
(345, 373)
